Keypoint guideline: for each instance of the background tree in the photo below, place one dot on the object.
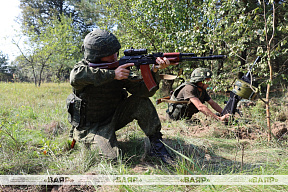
(276, 50)
(52, 51)
(227, 27)
(3, 63)
(65, 43)
(6, 71)
(55, 28)
(38, 14)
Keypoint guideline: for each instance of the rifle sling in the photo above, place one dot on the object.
(171, 101)
(167, 100)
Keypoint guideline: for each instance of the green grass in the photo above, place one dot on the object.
(34, 140)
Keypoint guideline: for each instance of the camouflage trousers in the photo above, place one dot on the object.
(101, 135)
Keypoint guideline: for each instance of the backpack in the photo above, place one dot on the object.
(176, 109)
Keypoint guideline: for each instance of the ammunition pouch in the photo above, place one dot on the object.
(75, 107)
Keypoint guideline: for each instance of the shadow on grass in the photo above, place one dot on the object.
(192, 159)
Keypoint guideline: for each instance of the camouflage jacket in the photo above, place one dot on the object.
(100, 93)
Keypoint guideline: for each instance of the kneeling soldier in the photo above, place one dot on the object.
(99, 104)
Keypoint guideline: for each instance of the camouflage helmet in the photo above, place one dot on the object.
(98, 44)
(200, 74)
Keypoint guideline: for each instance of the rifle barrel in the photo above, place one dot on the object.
(187, 54)
(212, 57)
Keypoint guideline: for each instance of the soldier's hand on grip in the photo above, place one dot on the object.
(121, 72)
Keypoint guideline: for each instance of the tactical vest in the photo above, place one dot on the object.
(102, 101)
(98, 104)
(177, 110)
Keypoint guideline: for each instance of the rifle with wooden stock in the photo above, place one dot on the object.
(142, 60)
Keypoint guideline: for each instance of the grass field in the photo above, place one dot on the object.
(34, 140)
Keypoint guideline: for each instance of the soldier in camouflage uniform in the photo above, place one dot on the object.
(194, 92)
(100, 105)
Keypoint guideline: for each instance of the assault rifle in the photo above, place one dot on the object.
(242, 89)
(141, 60)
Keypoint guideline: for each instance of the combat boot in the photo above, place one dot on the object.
(158, 149)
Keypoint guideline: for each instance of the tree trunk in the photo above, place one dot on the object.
(267, 96)
(269, 42)
(34, 75)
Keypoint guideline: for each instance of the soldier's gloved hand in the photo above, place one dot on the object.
(162, 64)
(121, 72)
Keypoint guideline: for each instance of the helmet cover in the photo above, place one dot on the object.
(99, 43)
(200, 74)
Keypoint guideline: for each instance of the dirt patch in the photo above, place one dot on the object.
(69, 188)
(16, 188)
(199, 130)
(63, 188)
(250, 132)
(234, 132)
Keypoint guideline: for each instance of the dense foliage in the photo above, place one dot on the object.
(50, 55)
(235, 28)
(38, 14)
(240, 29)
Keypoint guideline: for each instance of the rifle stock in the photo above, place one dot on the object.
(113, 65)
